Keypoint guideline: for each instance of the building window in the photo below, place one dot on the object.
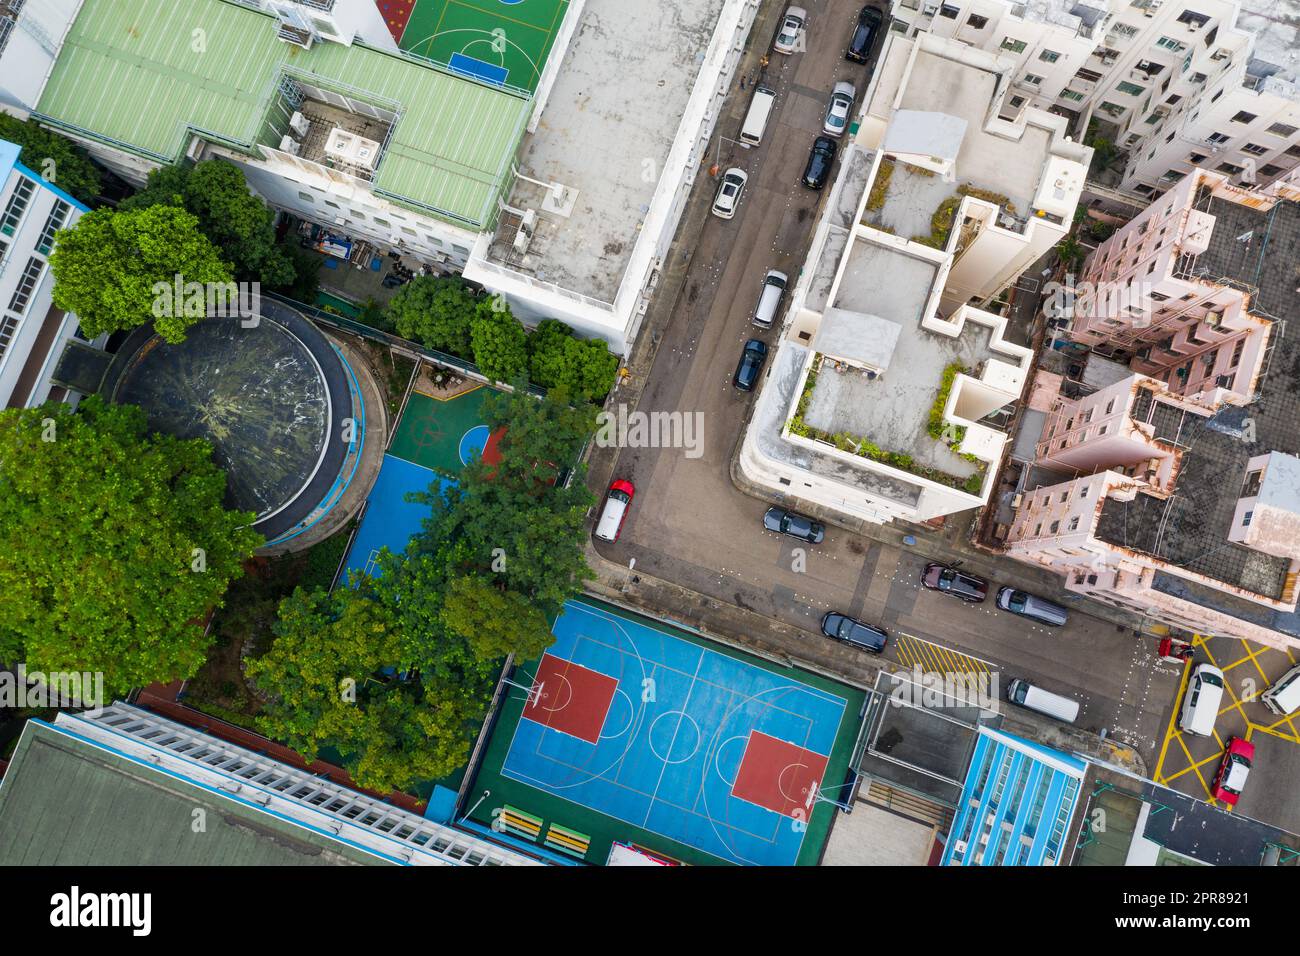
(1244, 117)
(949, 12)
(1074, 523)
(1192, 18)
(307, 197)
(26, 285)
(1218, 139)
(1132, 89)
(977, 22)
(1245, 519)
(1269, 170)
(1054, 527)
(1049, 56)
(1017, 102)
(1083, 491)
(1281, 129)
(53, 223)
(1033, 79)
(1124, 30)
(1254, 149)
(16, 206)
(1072, 95)
(7, 329)
(1169, 43)
(1114, 109)
(1014, 45)
(1229, 168)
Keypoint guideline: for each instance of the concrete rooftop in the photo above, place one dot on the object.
(613, 113)
(1008, 166)
(893, 410)
(773, 409)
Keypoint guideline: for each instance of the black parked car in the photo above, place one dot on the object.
(864, 35)
(846, 629)
(796, 526)
(751, 363)
(820, 161)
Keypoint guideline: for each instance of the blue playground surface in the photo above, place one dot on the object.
(390, 521)
(672, 737)
(478, 69)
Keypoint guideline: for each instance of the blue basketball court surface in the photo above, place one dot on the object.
(673, 738)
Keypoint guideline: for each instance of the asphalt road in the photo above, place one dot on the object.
(690, 525)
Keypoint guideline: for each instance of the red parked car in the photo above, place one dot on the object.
(1231, 778)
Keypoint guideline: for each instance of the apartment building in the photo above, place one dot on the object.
(1209, 84)
(891, 384)
(1144, 299)
(32, 331)
(1179, 500)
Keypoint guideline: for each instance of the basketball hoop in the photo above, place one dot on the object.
(532, 692)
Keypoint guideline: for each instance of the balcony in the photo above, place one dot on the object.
(295, 35)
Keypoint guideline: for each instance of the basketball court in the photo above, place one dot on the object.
(630, 730)
(504, 42)
(432, 435)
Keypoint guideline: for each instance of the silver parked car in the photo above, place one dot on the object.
(730, 189)
(838, 109)
(790, 37)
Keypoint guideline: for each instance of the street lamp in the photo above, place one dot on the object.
(717, 155)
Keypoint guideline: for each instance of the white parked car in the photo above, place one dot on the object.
(790, 37)
(730, 190)
(838, 109)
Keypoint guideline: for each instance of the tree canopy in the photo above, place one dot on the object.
(57, 160)
(558, 359)
(239, 223)
(499, 554)
(499, 341)
(107, 266)
(114, 543)
(437, 312)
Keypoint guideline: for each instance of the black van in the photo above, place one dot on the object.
(864, 35)
(1031, 606)
(850, 631)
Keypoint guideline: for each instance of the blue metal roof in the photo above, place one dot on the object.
(1016, 804)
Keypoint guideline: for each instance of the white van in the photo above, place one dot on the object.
(1283, 698)
(617, 501)
(769, 300)
(1201, 703)
(760, 108)
(1044, 701)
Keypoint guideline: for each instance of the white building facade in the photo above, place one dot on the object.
(32, 331)
(1208, 84)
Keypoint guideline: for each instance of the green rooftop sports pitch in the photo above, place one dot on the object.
(505, 42)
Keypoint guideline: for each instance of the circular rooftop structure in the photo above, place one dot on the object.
(272, 396)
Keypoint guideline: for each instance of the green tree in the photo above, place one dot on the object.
(114, 544)
(239, 223)
(107, 266)
(60, 161)
(584, 367)
(437, 312)
(500, 343)
(494, 621)
(325, 674)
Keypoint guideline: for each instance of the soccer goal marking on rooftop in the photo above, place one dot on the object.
(503, 42)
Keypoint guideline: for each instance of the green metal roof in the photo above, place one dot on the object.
(67, 802)
(143, 74)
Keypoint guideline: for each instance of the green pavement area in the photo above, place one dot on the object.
(431, 429)
(516, 37)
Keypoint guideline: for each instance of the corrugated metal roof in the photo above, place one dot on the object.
(65, 801)
(142, 73)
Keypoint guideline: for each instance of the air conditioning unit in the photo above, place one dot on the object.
(299, 124)
(1193, 26)
(289, 145)
(1016, 500)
